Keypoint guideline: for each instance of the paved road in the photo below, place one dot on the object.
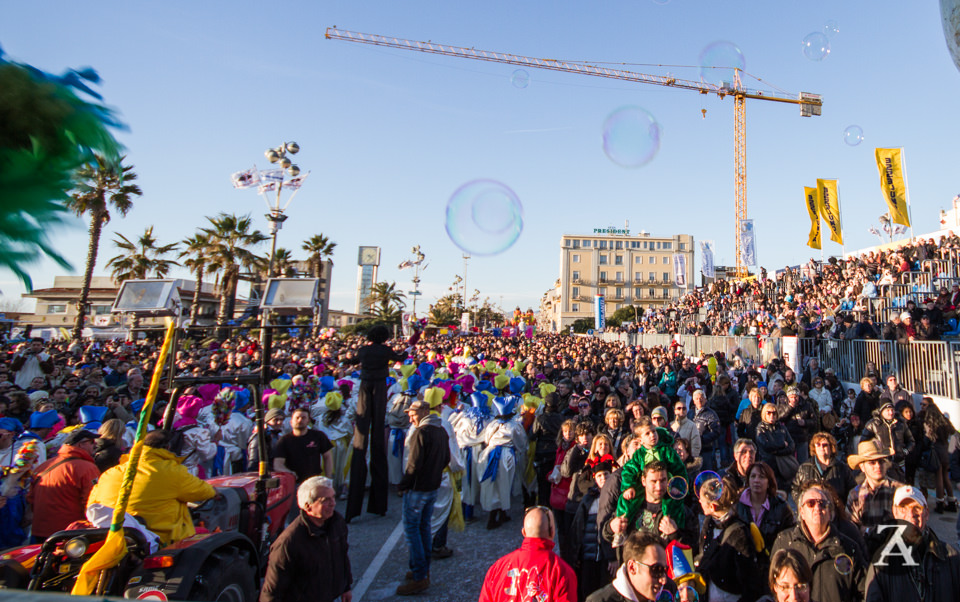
(378, 554)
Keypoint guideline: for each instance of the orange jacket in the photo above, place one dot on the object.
(59, 495)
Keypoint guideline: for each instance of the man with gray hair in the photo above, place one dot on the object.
(309, 560)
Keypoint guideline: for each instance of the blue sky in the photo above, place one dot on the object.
(389, 135)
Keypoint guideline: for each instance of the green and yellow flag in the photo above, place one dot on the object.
(813, 208)
(890, 164)
(829, 204)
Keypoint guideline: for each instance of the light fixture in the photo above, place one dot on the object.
(293, 148)
(272, 156)
(75, 548)
(293, 170)
(285, 163)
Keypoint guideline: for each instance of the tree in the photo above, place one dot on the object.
(582, 325)
(230, 236)
(141, 259)
(319, 249)
(627, 313)
(99, 188)
(282, 264)
(194, 256)
(386, 302)
(446, 310)
(488, 315)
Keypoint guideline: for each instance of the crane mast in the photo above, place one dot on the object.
(810, 104)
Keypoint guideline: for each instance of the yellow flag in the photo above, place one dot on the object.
(890, 164)
(829, 204)
(813, 208)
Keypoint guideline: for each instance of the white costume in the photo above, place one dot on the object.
(469, 429)
(398, 423)
(444, 503)
(233, 439)
(506, 445)
(340, 434)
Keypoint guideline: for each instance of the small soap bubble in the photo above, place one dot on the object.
(677, 487)
(664, 596)
(484, 217)
(706, 477)
(830, 28)
(815, 46)
(843, 564)
(718, 60)
(853, 135)
(520, 79)
(687, 594)
(631, 137)
(809, 315)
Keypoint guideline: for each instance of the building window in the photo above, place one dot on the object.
(666, 276)
(619, 276)
(603, 260)
(586, 244)
(603, 244)
(576, 258)
(603, 276)
(619, 293)
(651, 276)
(602, 292)
(644, 244)
(658, 244)
(56, 309)
(101, 309)
(618, 260)
(666, 261)
(653, 293)
(651, 259)
(638, 275)
(683, 246)
(566, 243)
(574, 307)
(576, 291)
(635, 244)
(576, 275)
(637, 259)
(619, 244)
(668, 245)
(638, 292)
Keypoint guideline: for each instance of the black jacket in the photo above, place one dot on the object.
(583, 539)
(308, 562)
(374, 360)
(838, 475)
(792, 415)
(773, 521)
(711, 431)
(729, 559)
(747, 423)
(829, 584)
(894, 435)
(429, 455)
(544, 431)
(938, 575)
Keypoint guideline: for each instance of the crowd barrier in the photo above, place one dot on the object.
(930, 367)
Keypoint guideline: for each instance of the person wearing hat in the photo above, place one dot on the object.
(428, 453)
(500, 462)
(9, 429)
(894, 393)
(583, 550)
(894, 435)
(39, 427)
(801, 418)
(923, 568)
(927, 329)
(871, 503)
(62, 485)
(397, 422)
(273, 423)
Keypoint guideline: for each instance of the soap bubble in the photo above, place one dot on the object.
(843, 564)
(631, 137)
(718, 60)
(853, 135)
(677, 487)
(484, 217)
(664, 596)
(830, 28)
(706, 478)
(520, 79)
(687, 594)
(661, 2)
(809, 315)
(815, 46)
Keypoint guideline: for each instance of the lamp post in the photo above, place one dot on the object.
(418, 257)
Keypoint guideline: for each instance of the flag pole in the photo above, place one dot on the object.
(906, 186)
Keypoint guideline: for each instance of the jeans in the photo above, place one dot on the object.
(417, 511)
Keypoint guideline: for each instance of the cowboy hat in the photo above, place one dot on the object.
(866, 450)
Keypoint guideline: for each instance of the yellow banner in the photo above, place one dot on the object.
(890, 164)
(829, 205)
(813, 208)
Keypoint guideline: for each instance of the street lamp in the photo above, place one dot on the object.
(418, 257)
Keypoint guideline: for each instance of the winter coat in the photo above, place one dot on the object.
(545, 429)
(774, 520)
(429, 454)
(728, 558)
(894, 436)
(865, 404)
(776, 448)
(161, 490)
(533, 570)
(574, 466)
(583, 539)
(748, 422)
(791, 416)
(689, 431)
(621, 590)
(938, 575)
(308, 562)
(829, 584)
(61, 489)
(709, 425)
(837, 474)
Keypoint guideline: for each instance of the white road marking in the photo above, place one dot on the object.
(371, 573)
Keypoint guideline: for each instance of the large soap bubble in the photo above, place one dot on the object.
(815, 46)
(631, 137)
(484, 217)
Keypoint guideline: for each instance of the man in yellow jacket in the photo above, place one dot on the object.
(161, 490)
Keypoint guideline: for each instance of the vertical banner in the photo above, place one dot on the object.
(830, 208)
(680, 270)
(813, 209)
(599, 313)
(790, 351)
(890, 164)
(748, 243)
(706, 250)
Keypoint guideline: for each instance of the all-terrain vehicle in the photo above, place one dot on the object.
(225, 560)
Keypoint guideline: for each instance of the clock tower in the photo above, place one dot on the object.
(368, 260)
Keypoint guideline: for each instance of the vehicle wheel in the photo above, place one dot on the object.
(227, 577)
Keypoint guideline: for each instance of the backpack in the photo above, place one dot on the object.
(177, 441)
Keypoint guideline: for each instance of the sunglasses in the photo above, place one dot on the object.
(657, 571)
(816, 503)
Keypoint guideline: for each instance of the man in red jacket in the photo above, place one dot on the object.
(63, 483)
(533, 572)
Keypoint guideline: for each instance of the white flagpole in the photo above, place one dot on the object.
(295, 191)
(260, 190)
(906, 186)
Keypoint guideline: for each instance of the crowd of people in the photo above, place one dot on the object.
(833, 299)
(641, 470)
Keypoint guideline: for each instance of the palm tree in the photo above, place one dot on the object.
(99, 187)
(141, 259)
(319, 248)
(282, 264)
(228, 253)
(194, 255)
(386, 302)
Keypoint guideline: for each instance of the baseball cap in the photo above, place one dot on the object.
(906, 493)
(79, 436)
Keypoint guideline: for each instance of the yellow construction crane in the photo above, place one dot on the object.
(810, 104)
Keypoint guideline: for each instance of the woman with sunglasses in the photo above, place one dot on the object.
(775, 446)
(728, 558)
(838, 565)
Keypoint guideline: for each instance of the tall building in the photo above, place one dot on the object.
(626, 269)
(368, 260)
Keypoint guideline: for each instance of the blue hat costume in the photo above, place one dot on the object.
(517, 385)
(92, 417)
(503, 409)
(44, 420)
